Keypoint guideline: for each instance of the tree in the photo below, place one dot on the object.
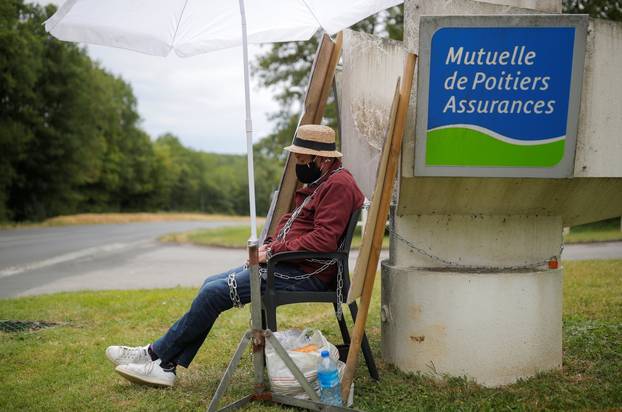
(285, 68)
(70, 139)
(604, 9)
(44, 107)
(20, 67)
(85, 151)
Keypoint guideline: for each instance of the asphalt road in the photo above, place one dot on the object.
(42, 260)
(45, 260)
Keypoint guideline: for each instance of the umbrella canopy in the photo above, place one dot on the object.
(192, 27)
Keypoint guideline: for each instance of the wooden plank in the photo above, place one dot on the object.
(383, 211)
(328, 79)
(289, 183)
(322, 74)
(358, 276)
(319, 72)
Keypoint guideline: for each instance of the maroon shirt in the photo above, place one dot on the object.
(324, 219)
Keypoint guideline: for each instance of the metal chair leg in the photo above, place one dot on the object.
(343, 327)
(271, 319)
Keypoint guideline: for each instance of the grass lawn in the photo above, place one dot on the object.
(236, 237)
(603, 231)
(230, 236)
(64, 367)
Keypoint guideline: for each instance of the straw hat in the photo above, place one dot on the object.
(316, 140)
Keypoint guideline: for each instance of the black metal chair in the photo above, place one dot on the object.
(272, 298)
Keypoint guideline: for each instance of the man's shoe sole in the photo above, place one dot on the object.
(142, 380)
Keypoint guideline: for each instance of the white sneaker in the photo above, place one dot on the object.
(147, 374)
(124, 355)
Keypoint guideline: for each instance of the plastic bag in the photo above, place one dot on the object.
(312, 343)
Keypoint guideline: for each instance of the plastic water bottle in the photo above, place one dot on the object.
(328, 375)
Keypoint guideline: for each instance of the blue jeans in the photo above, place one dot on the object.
(182, 341)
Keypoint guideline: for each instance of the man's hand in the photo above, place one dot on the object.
(262, 253)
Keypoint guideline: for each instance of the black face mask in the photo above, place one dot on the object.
(308, 173)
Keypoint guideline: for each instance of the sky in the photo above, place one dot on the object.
(198, 99)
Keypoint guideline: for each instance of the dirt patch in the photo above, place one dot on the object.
(14, 326)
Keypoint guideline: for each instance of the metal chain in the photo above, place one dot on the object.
(339, 291)
(457, 265)
(264, 273)
(285, 229)
(325, 263)
(233, 291)
(306, 275)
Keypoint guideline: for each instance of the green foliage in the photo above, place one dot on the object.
(604, 9)
(271, 146)
(70, 139)
(285, 68)
(20, 66)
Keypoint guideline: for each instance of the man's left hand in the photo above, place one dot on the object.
(262, 253)
(262, 256)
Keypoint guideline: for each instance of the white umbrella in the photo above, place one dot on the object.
(191, 27)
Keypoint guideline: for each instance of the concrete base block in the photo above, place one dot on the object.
(492, 327)
(496, 241)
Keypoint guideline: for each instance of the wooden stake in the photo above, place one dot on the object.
(357, 279)
(385, 200)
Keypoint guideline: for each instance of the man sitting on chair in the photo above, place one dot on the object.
(323, 208)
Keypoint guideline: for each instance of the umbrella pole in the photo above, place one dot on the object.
(249, 128)
(253, 258)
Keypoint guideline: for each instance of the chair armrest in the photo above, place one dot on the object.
(289, 256)
(342, 257)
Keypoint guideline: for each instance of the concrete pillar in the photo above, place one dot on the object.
(457, 299)
(469, 293)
